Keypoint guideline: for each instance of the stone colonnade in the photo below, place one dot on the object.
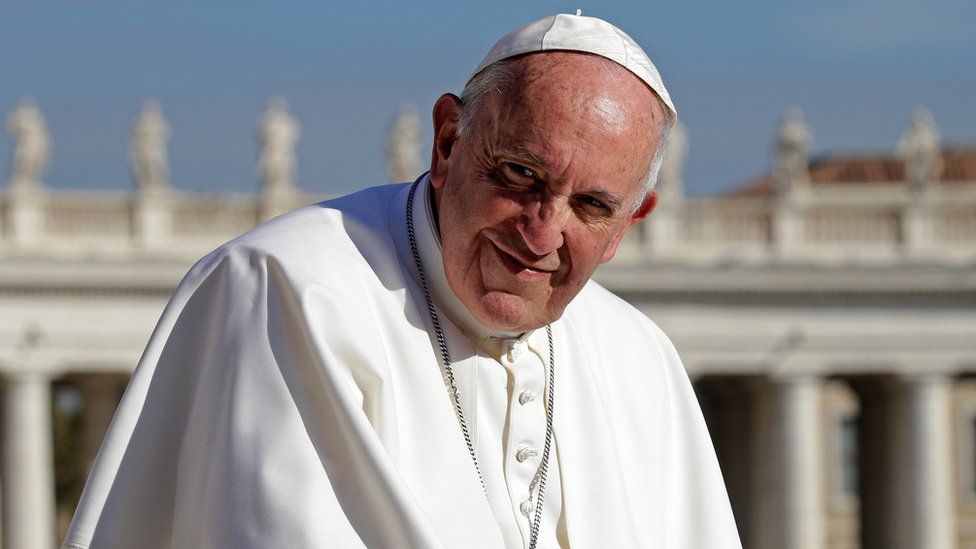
(778, 475)
(905, 496)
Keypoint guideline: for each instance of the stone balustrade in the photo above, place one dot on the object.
(876, 225)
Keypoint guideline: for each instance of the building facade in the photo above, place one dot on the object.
(826, 314)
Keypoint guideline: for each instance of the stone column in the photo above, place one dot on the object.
(931, 509)
(28, 463)
(802, 500)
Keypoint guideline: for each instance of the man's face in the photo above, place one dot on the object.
(542, 186)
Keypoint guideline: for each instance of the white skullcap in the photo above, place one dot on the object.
(585, 34)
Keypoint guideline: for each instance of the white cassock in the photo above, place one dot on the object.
(291, 397)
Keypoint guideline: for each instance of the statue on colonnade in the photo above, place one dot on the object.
(671, 178)
(792, 151)
(279, 132)
(32, 144)
(403, 146)
(920, 148)
(147, 148)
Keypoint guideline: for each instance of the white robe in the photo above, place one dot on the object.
(290, 396)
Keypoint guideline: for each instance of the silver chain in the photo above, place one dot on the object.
(540, 477)
(448, 372)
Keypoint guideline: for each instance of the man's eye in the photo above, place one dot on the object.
(521, 171)
(592, 202)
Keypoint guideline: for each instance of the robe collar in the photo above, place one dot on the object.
(432, 259)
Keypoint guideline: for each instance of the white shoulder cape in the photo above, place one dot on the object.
(290, 397)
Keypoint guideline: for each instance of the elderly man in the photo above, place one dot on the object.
(428, 365)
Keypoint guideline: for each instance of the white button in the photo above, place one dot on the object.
(526, 507)
(524, 452)
(526, 397)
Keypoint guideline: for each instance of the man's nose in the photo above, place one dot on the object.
(542, 226)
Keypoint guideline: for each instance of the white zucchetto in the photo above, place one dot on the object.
(584, 34)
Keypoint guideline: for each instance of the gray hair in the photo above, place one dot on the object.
(499, 77)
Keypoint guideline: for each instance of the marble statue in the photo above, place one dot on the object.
(920, 149)
(147, 147)
(32, 143)
(793, 142)
(403, 146)
(671, 179)
(279, 133)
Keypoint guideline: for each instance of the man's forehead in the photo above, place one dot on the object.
(587, 84)
(571, 87)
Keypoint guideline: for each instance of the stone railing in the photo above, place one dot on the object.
(880, 223)
(45, 222)
(214, 216)
(849, 224)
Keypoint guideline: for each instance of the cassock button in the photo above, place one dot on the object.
(527, 507)
(526, 397)
(524, 453)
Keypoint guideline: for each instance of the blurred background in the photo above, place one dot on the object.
(812, 256)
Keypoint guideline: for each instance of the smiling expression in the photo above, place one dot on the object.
(542, 186)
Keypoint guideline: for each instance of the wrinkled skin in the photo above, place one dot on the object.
(542, 187)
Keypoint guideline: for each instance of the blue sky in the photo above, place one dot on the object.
(857, 68)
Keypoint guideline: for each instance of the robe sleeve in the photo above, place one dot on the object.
(238, 430)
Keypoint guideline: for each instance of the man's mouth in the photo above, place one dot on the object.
(517, 267)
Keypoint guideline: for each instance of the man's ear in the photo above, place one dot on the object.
(447, 112)
(645, 209)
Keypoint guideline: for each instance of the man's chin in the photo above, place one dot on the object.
(505, 312)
